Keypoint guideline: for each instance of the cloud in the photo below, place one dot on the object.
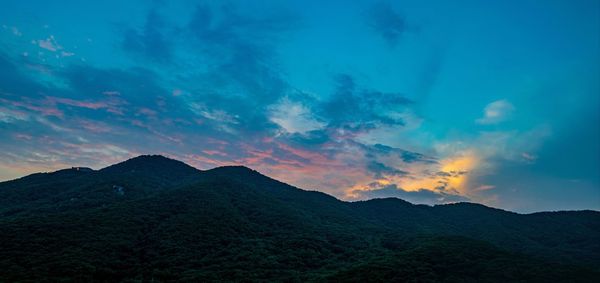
(149, 42)
(360, 109)
(240, 50)
(484, 188)
(420, 196)
(405, 155)
(294, 117)
(496, 112)
(472, 162)
(561, 162)
(49, 44)
(90, 107)
(14, 30)
(388, 23)
(111, 105)
(231, 80)
(381, 170)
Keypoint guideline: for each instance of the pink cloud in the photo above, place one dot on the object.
(111, 105)
(214, 152)
(94, 127)
(147, 112)
(44, 109)
(76, 103)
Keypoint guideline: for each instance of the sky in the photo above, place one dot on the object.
(495, 102)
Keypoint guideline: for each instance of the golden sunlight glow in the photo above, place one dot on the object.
(464, 163)
(457, 167)
(383, 182)
(452, 173)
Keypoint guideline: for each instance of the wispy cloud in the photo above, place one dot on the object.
(294, 117)
(496, 112)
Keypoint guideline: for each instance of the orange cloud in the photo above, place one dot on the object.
(450, 174)
(459, 168)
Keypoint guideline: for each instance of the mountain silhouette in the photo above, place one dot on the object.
(152, 218)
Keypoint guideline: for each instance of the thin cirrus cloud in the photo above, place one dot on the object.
(496, 112)
(216, 84)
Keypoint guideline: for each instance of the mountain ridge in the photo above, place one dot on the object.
(140, 220)
(158, 159)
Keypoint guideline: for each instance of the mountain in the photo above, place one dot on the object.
(152, 218)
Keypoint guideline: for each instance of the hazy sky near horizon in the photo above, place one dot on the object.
(494, 102)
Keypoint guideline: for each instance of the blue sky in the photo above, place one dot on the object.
(429, 101)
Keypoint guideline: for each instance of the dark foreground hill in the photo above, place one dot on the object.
(155, 219)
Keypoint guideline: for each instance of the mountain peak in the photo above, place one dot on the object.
(150, 164)
(235, 168)
(151, 157)
(389, 200)
(240, 172)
